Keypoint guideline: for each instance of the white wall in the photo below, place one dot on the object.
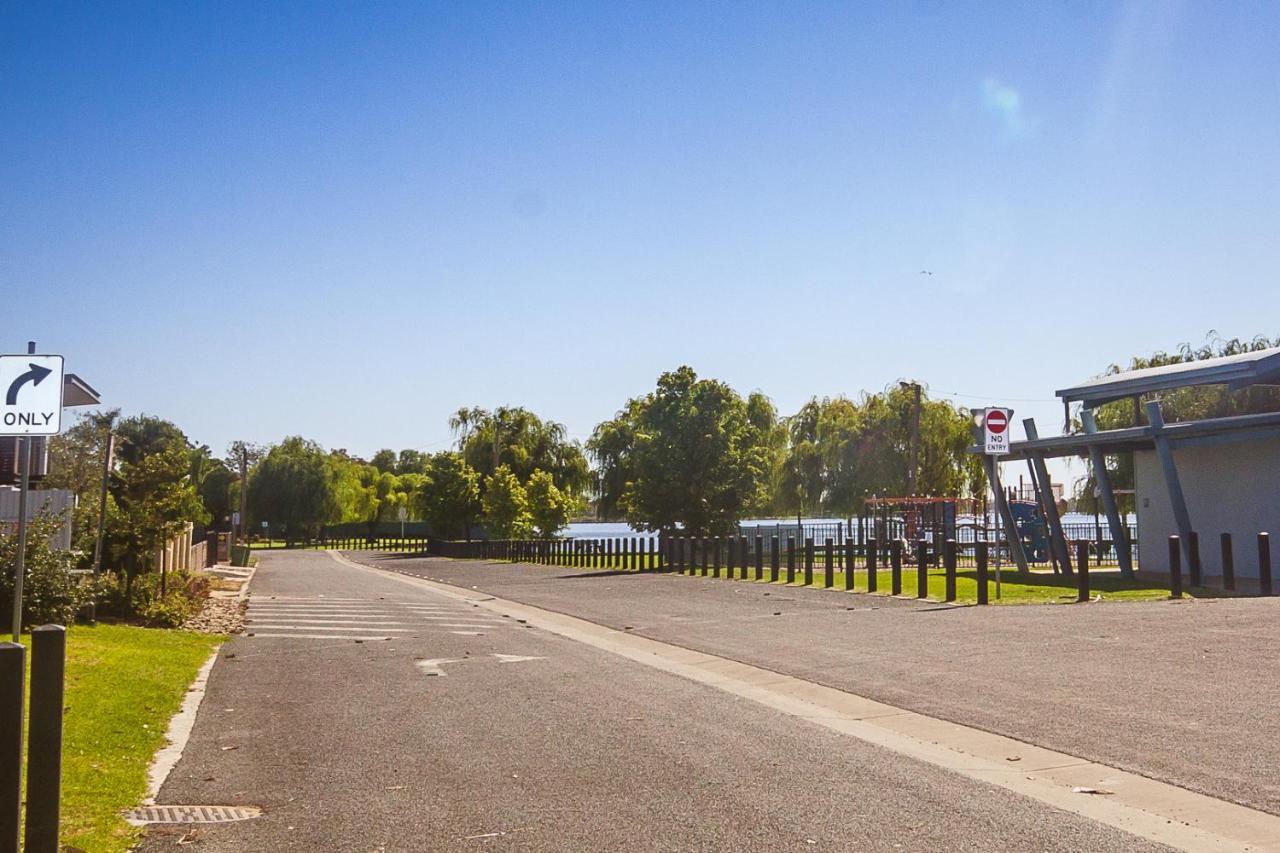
(1229, 488)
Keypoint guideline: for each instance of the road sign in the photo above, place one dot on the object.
(995, 426)
(32, 388)
(235, 519)
(264, 525)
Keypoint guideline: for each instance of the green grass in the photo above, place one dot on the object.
(123, 684)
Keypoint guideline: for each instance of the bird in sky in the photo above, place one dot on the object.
(926, 272)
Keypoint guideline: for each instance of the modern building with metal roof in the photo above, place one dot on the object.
(1205, 477)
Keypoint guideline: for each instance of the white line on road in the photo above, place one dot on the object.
(330, 626)
(516, 658)
(256, 635)
(468, 633)
(369, 623)
(1145, 807)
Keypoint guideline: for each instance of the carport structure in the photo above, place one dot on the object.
(1221, 454)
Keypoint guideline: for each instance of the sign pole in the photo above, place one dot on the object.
(19, 564)
(995, 484)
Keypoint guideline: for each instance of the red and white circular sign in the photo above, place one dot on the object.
(997, 421)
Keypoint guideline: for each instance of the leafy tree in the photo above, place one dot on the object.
(295, 487)
(842, 451)
(449, 497)
(384, 460)
(156, 498)
(506, 507)
(75, 463)
(549, 508)
(143, 435)
(696, 457)
(411, 462)
(524, 443)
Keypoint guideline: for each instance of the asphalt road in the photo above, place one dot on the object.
(1184, 692)
(526, 740)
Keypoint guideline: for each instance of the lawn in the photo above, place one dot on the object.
(123, 684)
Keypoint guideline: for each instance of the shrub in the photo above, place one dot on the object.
(50, 593)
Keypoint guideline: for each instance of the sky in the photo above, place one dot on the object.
(347, 220)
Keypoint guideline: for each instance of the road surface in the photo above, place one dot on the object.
(366, 713)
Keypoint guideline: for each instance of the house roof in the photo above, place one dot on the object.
(1235, 371)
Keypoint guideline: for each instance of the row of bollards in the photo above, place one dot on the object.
(1265, 586)
(44, 740)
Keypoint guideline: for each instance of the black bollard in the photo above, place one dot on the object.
(895, 567)
(949, 564)
(791, 559)
(1082, 575)
(760, 558)
(1264, 563)
(774, 558)
(922, 568)
(873, 565)
(828, 564)
(1228, 564)
(718, 546)
(44, 737)
(980, 557)
(850, 558)
(12, 677)
(808, 561)
(1175, 567)
(1193, 540)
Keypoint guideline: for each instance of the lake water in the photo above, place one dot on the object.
(615, 529)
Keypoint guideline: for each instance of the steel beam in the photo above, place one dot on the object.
(1057, 536)
(1155, 417)
(1119, 530)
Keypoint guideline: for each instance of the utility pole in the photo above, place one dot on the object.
(242, 537)
(107, 454)
(497, 437)
(913, 471)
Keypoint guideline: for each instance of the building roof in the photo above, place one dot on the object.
(1235, 371)
(1181, 434)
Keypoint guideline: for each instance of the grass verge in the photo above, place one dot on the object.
(123, 685)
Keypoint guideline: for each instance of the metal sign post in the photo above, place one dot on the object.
(32, 387)
(995, 435)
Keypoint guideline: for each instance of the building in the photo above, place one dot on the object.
(1204, 477)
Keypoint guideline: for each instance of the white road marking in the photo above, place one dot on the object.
(516, 658)
(367, 622)
(462, 625)
(332, 628)
(468, 633)
(432, 667)
(256, 635)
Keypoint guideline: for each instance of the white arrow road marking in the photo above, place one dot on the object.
(432, 666)
(516, 658)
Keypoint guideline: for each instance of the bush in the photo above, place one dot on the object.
(183, 598)
(50, 593)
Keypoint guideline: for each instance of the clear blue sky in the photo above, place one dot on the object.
(348, 220)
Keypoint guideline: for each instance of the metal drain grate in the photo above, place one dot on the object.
(192, 814)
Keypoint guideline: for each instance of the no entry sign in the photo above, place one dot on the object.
(995, 425)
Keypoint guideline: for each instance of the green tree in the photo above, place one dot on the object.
(411, 462)
(696, 458)
(524, 443)
(448, 498)
(506, 507)
(384, 460)
(156, 498)
(295, 488)
(549, 508)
